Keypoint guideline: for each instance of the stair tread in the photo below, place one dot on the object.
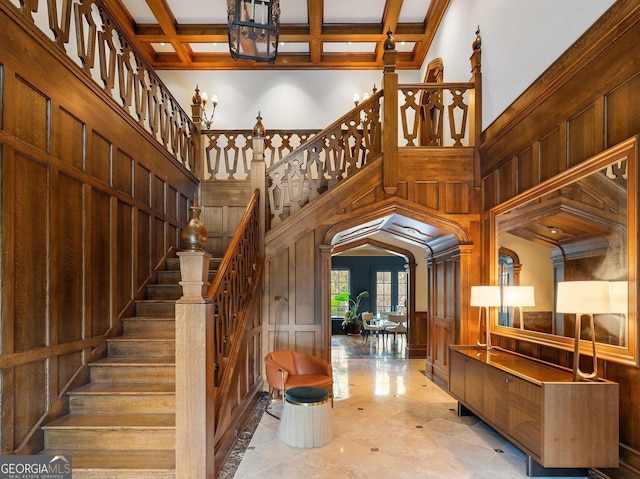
(126, 361)
(123, 339)
(149, 318)
(110, 421)
(157, 460)
(125, 388)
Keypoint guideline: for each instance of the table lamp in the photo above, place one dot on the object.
(583, 298)
(518, 297)
(484, 297)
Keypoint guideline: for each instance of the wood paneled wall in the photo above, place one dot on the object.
(585, 103)
(91, 203)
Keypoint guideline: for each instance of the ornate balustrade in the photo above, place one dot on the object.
(227, 154)
(102, 50)
(232, 289)
(330, 156)
(425, 109)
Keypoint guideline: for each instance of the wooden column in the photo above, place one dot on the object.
(390, 122)
(199, 168)
(475, 101)
(194, 370)
(325, 298)
(258, 177)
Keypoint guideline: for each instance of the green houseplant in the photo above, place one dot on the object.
(352, 319)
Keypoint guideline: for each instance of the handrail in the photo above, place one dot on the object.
(236, 276)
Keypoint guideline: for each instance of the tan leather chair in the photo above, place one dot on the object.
(288, 369)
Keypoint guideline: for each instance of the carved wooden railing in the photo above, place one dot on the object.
(227, 154)
(332, 155)
(428, 107)
(106, 55)
(233, 291)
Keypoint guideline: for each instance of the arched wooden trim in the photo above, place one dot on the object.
(397, 206)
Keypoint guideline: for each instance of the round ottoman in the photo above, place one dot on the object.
(306, 417)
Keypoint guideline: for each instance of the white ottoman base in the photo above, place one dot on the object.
(306, 426)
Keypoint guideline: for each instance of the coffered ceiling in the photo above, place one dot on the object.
(314, 34)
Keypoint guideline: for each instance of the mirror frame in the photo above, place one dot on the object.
(629, 353)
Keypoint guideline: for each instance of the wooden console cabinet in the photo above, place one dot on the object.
(535, 405)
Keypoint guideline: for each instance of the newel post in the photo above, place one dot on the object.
(390, 118)
(194, 370)
(476, 105)
(258, 177)
(197, 110)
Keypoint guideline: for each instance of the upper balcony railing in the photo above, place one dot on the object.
(89, 36)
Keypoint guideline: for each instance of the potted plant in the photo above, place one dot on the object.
(352, 319)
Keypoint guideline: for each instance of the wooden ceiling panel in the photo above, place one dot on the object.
(169, 29)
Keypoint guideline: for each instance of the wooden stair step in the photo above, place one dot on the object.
(139, 398)
(164, 308)
(111, 432)
(120, 464)
(120, 347)
(169, 277)
(141, 370)
(149, 327)
(164, 291)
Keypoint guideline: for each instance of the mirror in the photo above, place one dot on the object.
(577, 226)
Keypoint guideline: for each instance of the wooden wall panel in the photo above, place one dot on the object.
(31, 114)
(552, 155)
(457, 197)
(623, 111)
(99, 160)
(100, 279)
(528, 171)
(143, 230)
(305, 290)
(158, 194)
(143, 184)
(585, 135)
(30, 228)
(29, 401)
(71, 144)
(123, 173)
(427, 193)
(124, 265)
(67, 245)
(507, 179)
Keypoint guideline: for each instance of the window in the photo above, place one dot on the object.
(402, 290)
(340, 283)
(383, 292)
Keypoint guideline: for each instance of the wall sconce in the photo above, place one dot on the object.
(356, 98)
(253, 29)
(200, 100)
(583, 298)
(365, 96)
(484, 297)
(518, 297)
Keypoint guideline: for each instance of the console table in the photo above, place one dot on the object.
(557, 422)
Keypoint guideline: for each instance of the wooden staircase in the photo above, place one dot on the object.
(122, 424)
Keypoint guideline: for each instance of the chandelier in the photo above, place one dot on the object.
(253, 29)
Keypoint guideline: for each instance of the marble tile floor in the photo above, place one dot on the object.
(390, 421)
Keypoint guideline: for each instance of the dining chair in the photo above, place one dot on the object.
(400, 328)
(367, 327)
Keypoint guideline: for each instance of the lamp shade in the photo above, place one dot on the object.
(619, 296)
(485, 296)
(521, 296)
(583, 297)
